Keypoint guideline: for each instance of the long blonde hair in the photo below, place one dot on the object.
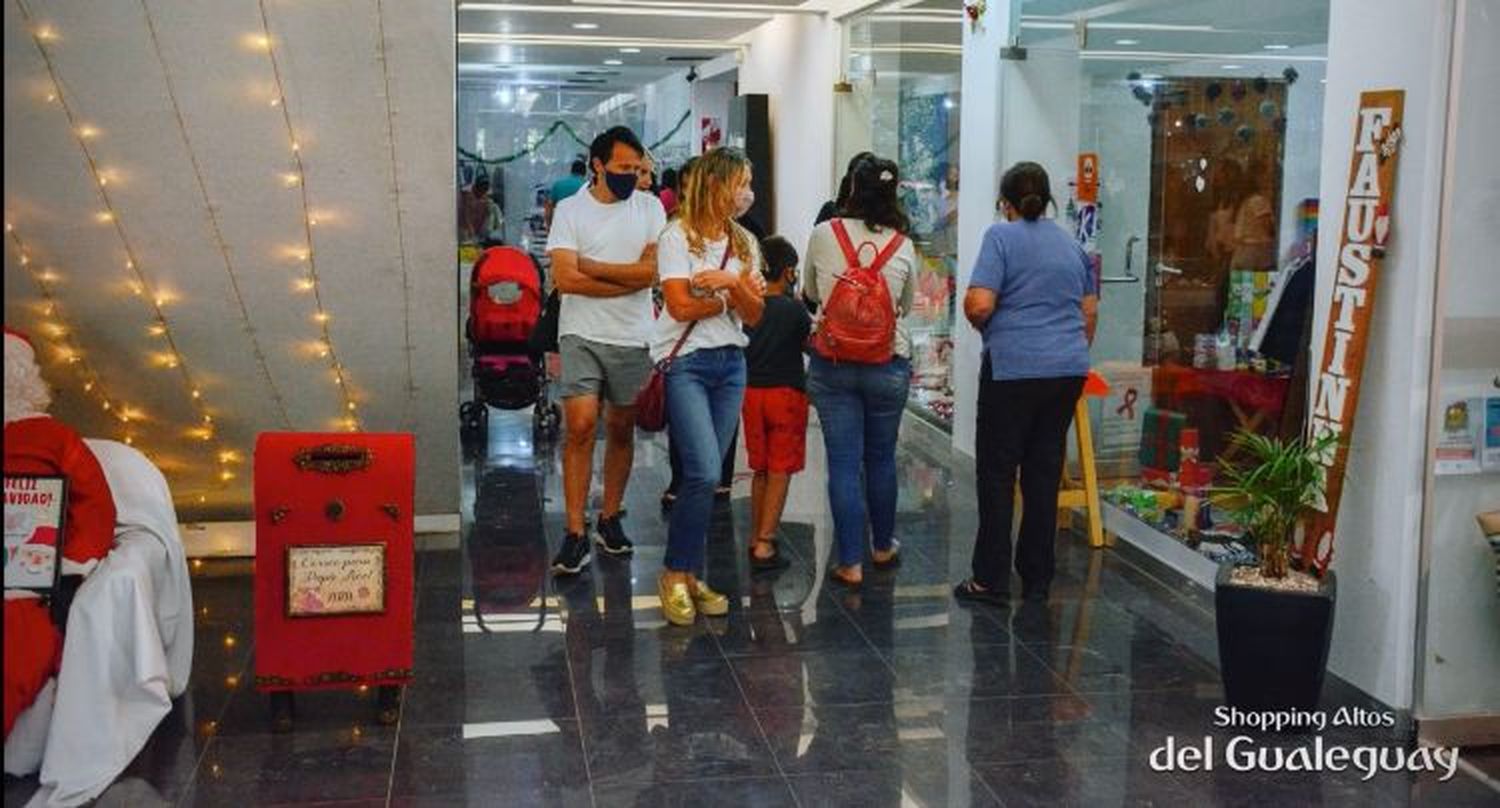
(708, 202)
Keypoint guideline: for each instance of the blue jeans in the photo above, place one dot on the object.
(704, 389)
(860, 408)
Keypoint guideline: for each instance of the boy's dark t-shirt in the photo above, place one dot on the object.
(774, 356)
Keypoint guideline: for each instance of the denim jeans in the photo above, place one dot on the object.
(860, 408)
(704, 389)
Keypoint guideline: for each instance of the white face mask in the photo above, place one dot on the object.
(743, 201)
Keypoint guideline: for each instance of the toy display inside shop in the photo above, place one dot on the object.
(1168, 426)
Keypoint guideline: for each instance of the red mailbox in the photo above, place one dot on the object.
(333, 565)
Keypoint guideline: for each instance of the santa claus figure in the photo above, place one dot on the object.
(37, 444)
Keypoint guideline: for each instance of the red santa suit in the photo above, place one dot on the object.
(37, 444)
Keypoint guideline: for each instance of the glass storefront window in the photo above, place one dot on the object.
(901, 66)
(1199, 124)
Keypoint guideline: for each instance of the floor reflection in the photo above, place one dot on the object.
(532, 691)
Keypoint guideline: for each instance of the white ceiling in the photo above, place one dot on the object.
(178, 107)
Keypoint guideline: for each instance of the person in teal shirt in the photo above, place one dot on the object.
(565, 187)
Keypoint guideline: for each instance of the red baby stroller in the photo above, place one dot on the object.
(505, 303)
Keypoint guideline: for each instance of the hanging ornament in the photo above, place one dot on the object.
(1261, 85)
(1279, 125)
(1237, 90)
(1245, 133)
(1213, 91)
(1290, 74)
(1152, 118)
(1201, 121)
(974, 11)
(1268, 109)
(1226, 116)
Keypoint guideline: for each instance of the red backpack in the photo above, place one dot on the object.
(859, 317)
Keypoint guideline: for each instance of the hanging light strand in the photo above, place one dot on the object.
(349, 417)
(204, 428)
(218, 233)
(410, 414)
(65, 338)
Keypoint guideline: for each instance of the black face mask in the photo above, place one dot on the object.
(621, 186)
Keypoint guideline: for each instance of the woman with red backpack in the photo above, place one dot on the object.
(860, 267)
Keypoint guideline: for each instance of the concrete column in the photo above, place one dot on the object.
(1375, 45)
(979, 145)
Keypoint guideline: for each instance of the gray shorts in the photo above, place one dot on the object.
(614, 373)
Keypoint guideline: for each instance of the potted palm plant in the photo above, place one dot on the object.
(1274, 622)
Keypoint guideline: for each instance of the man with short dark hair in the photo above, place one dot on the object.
(565, 187)
(603, 248)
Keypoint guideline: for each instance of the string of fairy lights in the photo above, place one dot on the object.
(157, 298)
(409, 417)
(57, 329)
(308, 280)
(259, 355)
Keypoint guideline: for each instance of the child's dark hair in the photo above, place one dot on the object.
(1026, 187)
(779, 255)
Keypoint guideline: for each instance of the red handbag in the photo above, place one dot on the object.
(651, 401)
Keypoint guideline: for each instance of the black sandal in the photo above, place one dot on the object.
(892, 561)
(970, 591)
(835, 577)
(774, 561)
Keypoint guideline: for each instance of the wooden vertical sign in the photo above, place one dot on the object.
(1372, 179)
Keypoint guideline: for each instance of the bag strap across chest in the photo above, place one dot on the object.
(851, 253)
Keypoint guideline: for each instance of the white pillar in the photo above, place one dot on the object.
(1376, 45)
(979, 141)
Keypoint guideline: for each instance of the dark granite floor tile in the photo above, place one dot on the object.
(1082, 782)
(837, 738)
(663, 744)
(755, 792)
(843, 677)
(296, 767)
(496, 759)
(974, 672)
(958, 788)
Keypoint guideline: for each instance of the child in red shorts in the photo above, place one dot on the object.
(775, 407)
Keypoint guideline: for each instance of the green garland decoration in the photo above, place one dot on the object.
(563, 126)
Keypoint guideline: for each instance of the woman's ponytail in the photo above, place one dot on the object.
(1026, 187)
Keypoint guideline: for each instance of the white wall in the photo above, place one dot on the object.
(1380, 44)
(792, 58)
(1462, 648)
(981, 134)
(710, 100)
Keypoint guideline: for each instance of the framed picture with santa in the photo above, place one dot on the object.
(34, 508)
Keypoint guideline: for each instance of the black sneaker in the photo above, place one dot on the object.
(610, 536)
(572, 557)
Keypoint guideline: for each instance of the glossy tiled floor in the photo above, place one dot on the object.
(531, 693)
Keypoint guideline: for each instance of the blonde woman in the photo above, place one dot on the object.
(707, 266)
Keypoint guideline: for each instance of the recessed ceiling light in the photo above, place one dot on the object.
(1277, 47)
(1127, 42)
(1233, 67)
(586, 26)
(613, 62)
(630, 50)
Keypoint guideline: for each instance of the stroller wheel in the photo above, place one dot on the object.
(473, 418)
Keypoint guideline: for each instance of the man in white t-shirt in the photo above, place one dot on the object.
(603, 249)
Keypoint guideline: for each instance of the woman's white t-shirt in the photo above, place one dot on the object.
(825, 263)
(675, 261)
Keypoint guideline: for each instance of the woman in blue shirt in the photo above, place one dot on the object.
(1032, 297)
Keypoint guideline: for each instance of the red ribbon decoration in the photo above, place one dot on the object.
(1128, 407)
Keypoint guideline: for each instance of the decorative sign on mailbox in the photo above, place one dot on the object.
(335, 579)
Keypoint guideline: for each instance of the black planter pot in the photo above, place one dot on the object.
(1273, 645)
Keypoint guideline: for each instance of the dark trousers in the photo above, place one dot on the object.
(1022, 424)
